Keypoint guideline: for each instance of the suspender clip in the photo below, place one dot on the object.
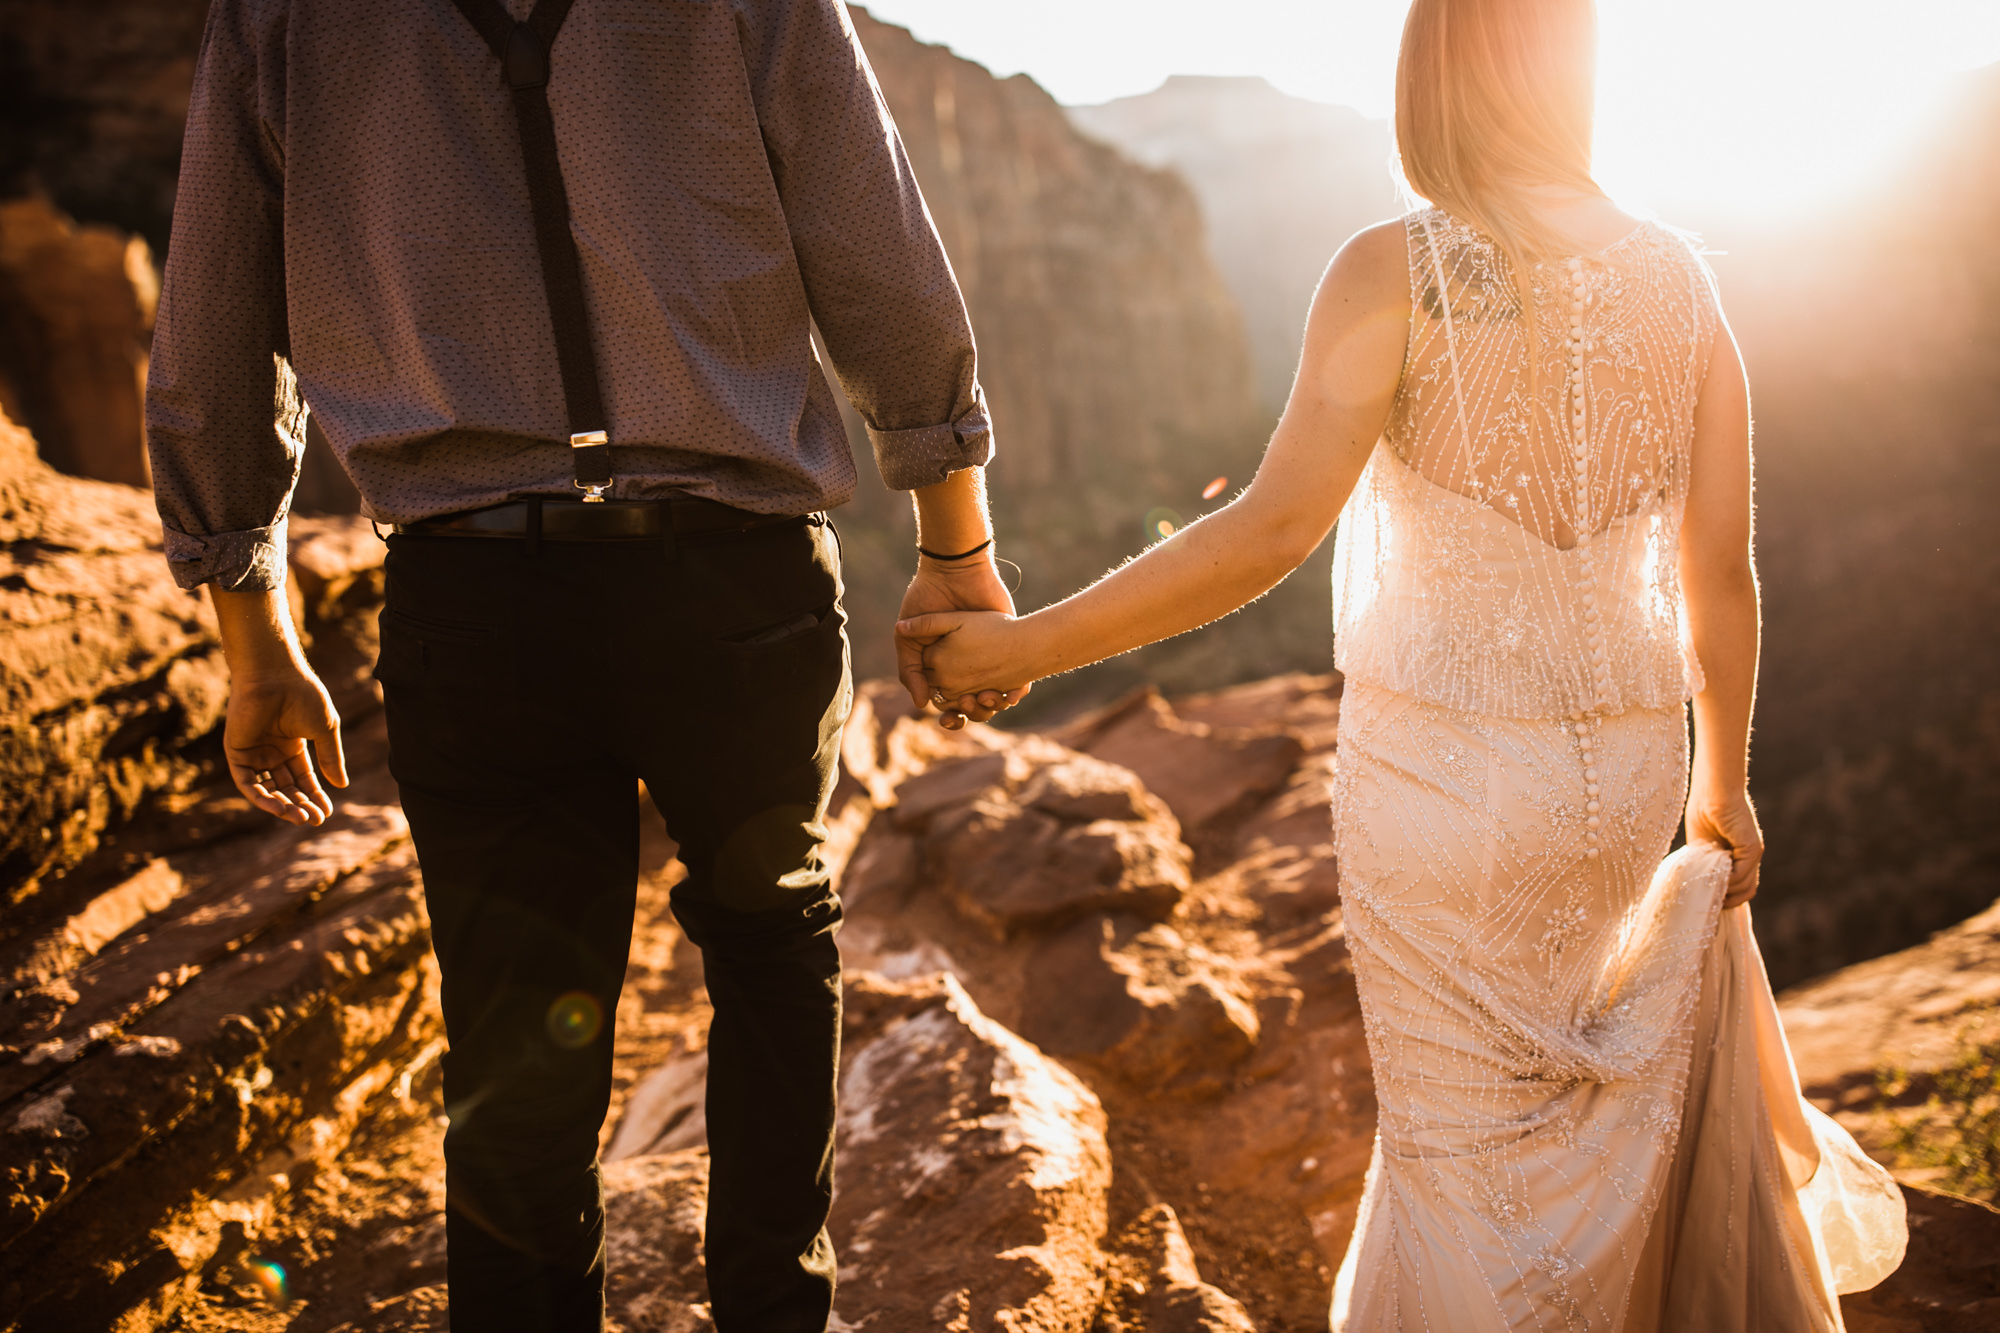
(592, 455)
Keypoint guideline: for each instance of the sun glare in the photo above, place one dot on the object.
(1707, 106)
(1772, 106)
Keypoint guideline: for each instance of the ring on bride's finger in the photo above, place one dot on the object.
(952, 721)
(939, 698)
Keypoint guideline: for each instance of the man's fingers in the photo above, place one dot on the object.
(274, 790)
(332, 759)
(910, 670)
(305, 788)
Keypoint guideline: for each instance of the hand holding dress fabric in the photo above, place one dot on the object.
(1727, 819)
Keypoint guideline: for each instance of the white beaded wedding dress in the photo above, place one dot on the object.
(1588, 1115)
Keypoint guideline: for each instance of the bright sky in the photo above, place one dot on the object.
(1755, 106)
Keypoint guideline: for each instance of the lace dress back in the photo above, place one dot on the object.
(1586, 1115)
(1511, 548)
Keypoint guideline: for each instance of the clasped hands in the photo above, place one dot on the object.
(953, 618)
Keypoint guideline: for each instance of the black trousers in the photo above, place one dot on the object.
(527, 692)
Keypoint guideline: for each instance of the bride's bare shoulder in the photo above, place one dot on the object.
(1371, 271)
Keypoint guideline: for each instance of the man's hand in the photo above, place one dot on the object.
(972, 585)
(276, 705)
(951, 518)
(264, 740)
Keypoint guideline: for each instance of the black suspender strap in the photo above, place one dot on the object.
(523, 50)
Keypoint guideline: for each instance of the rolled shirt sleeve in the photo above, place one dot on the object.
(876, 275)
(225, 424)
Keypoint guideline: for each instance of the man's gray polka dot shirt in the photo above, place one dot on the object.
(353, 237)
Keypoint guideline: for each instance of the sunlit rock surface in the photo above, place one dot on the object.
(1121, 1088)
(1902, 1050)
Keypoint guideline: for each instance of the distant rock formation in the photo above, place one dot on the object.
(1112, 353)
(95, 100)
(1283, 182)
(76, 320)
(1106, 338)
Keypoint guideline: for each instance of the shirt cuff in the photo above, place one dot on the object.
(911, 459)
(249, 561)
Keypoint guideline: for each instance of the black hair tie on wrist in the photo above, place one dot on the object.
(962, 555)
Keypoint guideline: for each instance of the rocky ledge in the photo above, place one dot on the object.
(1104, 1066)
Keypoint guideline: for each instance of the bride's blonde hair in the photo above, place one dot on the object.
(1493, 96)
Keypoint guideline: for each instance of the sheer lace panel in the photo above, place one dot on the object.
(1511, 548)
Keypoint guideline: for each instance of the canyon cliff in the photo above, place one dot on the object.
(1283, 183)
(1112, 353)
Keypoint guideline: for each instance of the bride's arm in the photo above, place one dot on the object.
(1352, 361)
(1720, 585)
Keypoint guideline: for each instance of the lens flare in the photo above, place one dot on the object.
(1214, 488)
(269, 1275)
(1161, 524)
(575, 1020)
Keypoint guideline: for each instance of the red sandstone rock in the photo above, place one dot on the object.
(667, 1112)
(1022, 834)
(1910, 1011)
(654, 1208)
(1013, 868)
(1307, 706)
(1285, 849)
(203, 1004)
(972, 1173)
(1199, 770)
(1156, 1286)
(111, 677)
(1870, 1042)
(970, 1182)
(76, 318)
(108, 673)
(223, 1045)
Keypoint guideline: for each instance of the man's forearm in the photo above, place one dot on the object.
(258, 638)
(951, 516)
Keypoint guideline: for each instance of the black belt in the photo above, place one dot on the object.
(613, 520)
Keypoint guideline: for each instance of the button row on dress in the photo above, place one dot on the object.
(1580, 451)
(1585, 726)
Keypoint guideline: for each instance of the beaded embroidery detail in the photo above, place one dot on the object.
(1511, 548)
